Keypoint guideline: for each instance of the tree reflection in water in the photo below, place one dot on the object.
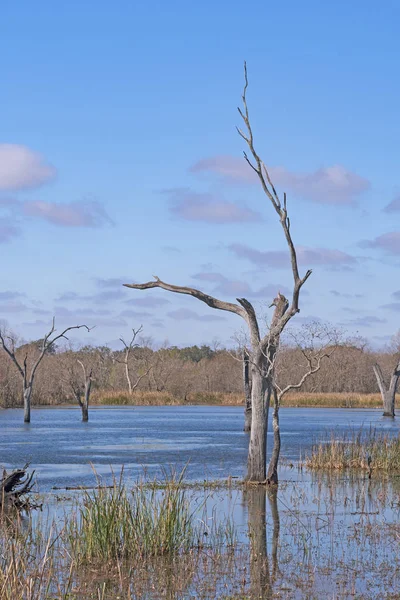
(261, 576)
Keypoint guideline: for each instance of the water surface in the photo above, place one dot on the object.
(143, 439)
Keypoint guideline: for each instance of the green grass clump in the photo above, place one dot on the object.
(117, 524)
(357, 450)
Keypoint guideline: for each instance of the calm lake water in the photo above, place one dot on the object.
(333, 535)
(60, 447)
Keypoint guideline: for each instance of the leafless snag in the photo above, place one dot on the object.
(388, 393)
(263, 348)
(316, 343)
(13, 486)
(27, 374)
(87, 387)
(127, 352)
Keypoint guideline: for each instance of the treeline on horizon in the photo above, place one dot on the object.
(183, 374)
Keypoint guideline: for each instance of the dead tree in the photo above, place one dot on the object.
(263, 347)
(13, 486)
(78, 368)
(388, 393)
(87, 386)
(127, 352)
(247, 391)
(316, 343)
(28, 373)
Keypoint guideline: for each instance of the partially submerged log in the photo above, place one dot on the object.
(15, 485)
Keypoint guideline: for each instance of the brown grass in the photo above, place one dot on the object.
(164, 399)
(359, 449)
(141, 398)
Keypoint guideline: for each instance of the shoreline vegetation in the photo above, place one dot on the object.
(299, 399)
(150, 541)
(361, 450)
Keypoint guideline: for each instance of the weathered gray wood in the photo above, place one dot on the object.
(8, 344)
(87, 387)
(388, 394)
(272, 474)
(128, 348)
(263, 350)
(13, 486)
(247, 391)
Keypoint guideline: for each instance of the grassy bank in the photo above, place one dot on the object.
(152, 541)
(362, 450)
(118, 542)
(122, 398)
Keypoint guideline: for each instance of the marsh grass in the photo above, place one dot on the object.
(363, 450)
(336, 537)
(116, 523)
(300, 399)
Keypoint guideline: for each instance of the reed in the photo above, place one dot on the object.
(299, 399)
(363, 450)
(114, 524)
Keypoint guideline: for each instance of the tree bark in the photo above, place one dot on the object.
(27, 403)
(260, 400)
(85, 404)
(85, 413)
(388, 394)
(247, 392)
(272, 475)
(13, 486)
(128, 376)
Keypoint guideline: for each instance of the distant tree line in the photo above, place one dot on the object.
(180, 371)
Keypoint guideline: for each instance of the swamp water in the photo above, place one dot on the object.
(321, 536)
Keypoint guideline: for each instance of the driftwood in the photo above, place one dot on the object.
(14, 485)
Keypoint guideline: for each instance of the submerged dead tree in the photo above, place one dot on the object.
(13, 486)
(81, 387)
(263, 348)
(247, 391)
(316, 342)
(388, 393)
(26, 371)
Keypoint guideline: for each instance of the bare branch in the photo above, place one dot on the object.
(311, 370)
(209, 300)
(139, 379)
(270, 191)
(11, 354)
(48, 343)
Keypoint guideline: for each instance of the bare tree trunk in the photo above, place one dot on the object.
(8, 344)
(388, 394)
(247, 392)
(85, 414)
(272, 475)
(261, 364)
(128, 378)
(85, 404)
(260, 400)
(27, 403)
(388, 403)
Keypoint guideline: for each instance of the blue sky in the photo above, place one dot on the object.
(119, 160)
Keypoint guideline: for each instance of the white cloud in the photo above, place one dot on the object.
(192, 206)
(72, 214)
(328, 185)
(22, 168)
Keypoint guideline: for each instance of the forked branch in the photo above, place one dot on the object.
(269, 189)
